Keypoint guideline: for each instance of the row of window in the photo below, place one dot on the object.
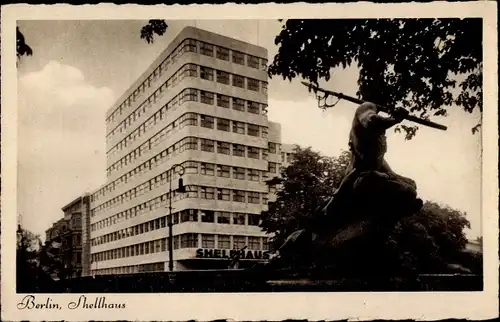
(188, 215)
(188, 119)
(191, 70)
(192, 191)
(131, 269)
(189, 240)
(191, 167)
(232, 55)
(188, 45)
(188, 143)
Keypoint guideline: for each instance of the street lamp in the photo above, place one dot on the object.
(181, 188)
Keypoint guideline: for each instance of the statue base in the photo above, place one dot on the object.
(345, 238)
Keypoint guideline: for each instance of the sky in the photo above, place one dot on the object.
(79, 68)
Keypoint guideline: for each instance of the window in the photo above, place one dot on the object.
(263, 63)
(206, 49)
(189, 240)
(207, 193)
(238, 127)
(264, 132)
(223, 125)
(189, 94)
(253, 84)
(223, 148)
(239, 173)
(188, 70)
(271, 167)
(189, 215)
(272, 147)
(253, 175)
(253, 61)
(238, 58)
(265, 199)
(238, 150)
(188, 144)
(175, 242)
(238, 196)
(253, 243)
(207, 121)
(253, 107)
(207, 73)
(207, 98)
(238, 81)
(253, 152)
(222, 77)
(189, 45)
(253, 130)
(207, 216)
(253, 197)
(222, 53)
(223, 217)
(253, 220)
(207, 169)
(264, 87)
(191, 166)
(239, 242)
(264, 154)
(207, 241)
(222, 100)
(238, 104)
(223, 194)
(238, 219)
(207, 145)
(188, 119)
(223, 171)
(223, 241)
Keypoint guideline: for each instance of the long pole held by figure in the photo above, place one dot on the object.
(381, 108)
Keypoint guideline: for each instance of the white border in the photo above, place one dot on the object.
(277, 306)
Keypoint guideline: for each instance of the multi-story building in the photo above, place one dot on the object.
(70, 231)
(287, 152)
(202, 105)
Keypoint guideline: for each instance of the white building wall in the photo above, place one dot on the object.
(110, 220)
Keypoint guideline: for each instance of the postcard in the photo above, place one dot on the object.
(249, 162)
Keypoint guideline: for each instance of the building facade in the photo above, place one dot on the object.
(70, 231)
(201, 105)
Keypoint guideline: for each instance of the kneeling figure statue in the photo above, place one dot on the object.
(371, 197)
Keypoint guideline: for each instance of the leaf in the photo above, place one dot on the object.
(22, 48)
(476, 128)
(153, 27)
(414, 63)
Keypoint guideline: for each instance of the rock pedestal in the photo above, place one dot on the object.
(353, 224)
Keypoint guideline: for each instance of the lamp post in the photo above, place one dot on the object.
(181, 189)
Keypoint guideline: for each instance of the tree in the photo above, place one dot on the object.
(153, 27)
(22, 48)
(27, 250)
(37, 264)
(305, 185)
(410, 63)
(425, 242)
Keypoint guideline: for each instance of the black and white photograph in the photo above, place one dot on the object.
(290, 155)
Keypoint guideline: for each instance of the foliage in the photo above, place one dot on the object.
(429, 240)
(305, 186)
(410, 63)
(27, 250)
(37, 264)
(158, 27)
(22, 48)
(424, 242)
